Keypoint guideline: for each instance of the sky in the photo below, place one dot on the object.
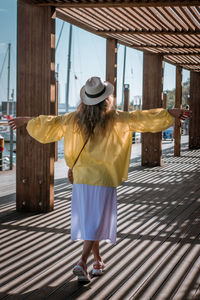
(88, 58)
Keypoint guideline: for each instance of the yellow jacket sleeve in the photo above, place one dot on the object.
(152, 120)
(47, 129)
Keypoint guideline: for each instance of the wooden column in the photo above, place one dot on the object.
(178, 104)
(152, 98)
(126, 97)
(56, 112)
(194, 128)
(111, 63)
(35, 96)
(165, 100)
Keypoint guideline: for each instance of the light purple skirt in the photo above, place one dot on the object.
(93, 213)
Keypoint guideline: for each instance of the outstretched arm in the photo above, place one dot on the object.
(155, 120)
(44, 129)
(19, 122)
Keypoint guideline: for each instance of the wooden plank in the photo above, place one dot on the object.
(152, 3)
(179, 47)
(178, 104)
(36, 95)
(151, 32)
(194, 102)
(152, 98)
(111, 64)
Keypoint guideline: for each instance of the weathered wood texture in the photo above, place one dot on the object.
(178, 104)
(126, 99)
(152, 98)
(158, 241)
(35, 96)
(111, 63)
(194, 129)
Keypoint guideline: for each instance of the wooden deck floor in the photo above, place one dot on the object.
(157, 254)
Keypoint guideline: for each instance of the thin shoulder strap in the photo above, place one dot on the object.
(80, 152)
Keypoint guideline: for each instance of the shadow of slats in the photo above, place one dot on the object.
(158, 242)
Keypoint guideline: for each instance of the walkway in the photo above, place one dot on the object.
(157, 254)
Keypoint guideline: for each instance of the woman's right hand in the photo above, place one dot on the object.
(18, 122)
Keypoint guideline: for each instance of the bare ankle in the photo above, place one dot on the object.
(98, 258)
(83, 261)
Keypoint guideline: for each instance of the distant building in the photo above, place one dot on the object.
(8, 108)
(136, 103)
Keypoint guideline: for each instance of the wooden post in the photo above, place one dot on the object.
(35, 96)
(111, 63)
(178, 104)
(194, 128)
(165, 100)
(56, 112)
(152, 98)
(126, 97)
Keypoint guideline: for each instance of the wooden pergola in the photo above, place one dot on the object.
(164, 30)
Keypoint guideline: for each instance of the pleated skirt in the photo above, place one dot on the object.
(93, 213)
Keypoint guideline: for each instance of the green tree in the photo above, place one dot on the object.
(185, 94)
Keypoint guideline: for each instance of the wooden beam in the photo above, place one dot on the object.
(152, 98)
(166, 46)
(178, 104)
(179, 65)
(111, 64)
(181, 54)
(194, 103)
(152, 3)
(188, 64)
(35, 96)
(150, 32)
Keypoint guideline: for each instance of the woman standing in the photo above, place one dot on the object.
(97, 144)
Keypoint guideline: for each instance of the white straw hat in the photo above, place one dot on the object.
(95, 91)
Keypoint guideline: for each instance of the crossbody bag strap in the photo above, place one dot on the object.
(80, 152)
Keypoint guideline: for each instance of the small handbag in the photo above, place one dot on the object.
(70, 171)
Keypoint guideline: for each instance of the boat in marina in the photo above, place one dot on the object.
(6, 135)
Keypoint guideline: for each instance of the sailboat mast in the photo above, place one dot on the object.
(123, 77)
(8, 86)
(68, 68)
(8, 91)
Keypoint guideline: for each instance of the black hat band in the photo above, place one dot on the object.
(96, 95)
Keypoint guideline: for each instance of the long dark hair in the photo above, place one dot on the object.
(90, 117)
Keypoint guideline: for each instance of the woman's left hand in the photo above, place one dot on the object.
(182, 114)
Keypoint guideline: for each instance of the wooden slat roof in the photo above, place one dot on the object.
(170, 28)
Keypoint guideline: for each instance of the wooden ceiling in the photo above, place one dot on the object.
(170, 28)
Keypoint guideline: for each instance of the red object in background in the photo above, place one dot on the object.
(1, 144)
(187, 112)
(8, 117)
